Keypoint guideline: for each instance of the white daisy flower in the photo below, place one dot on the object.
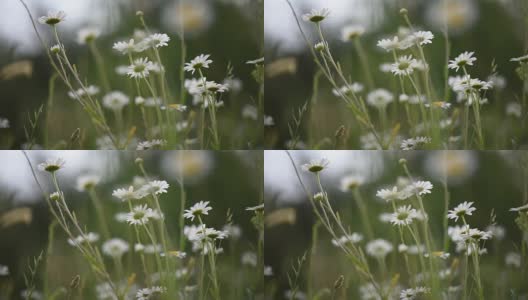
(127, 194)
(198, 209)
(249, 258)
(4, 123)
(90, 90)
(115, 100)
(389, 44)
(379, 98)
(316, 166)
(350, 89)
(405, 65)
(155, 187)
(423, 37)
(316, 16)
(321, 46)
(389, 194)
(379, 248)
(115, 247)
(152, 144)
(86, 182)
(513, 259)
(414, 143)
(52, 18)
(268, 271)
(321, 196)
(52, 165)
(351, 182)
(150, 293)
(463, 209)
(158, 40)
(421, 187)
(87, 35)
(127, 47)
(412, 294)
(90, 237)
(352, 238)
(514, 109)
(140, 68)
(351, 32)
(464, 59)
(4, 270)
(268, 121)
(140, 215)
(404, 215)
(199, 62)
(56, 48)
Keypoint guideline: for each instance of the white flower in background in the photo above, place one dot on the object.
(459, 15)
(249, 258)
(404, 66)
(464, 59)
(498, 231)
(4, 123)
(389, 194)
(152, 144)
(315, 15)
(197, 63)
(33, 295)
(90, 237)
(140, 68)
(140, 215)
(463, 209)
(127, 47)
(250, 112)
(349, 89)
(351, 32)
(514, 109)
(411, 294)
(115, 100)
(157, 40)
(352, 238)
(321, 46)
(298, 295)
(421, 187)
(56, 196)
(234, 84)
(423, 37)
(268, 121)
(56, 49)
(199, 209)
(389, 44)
(379, 248)
(90, 90)
(125, 194)
(379, 98)
(87, 35)
(414, 143)
(316, 166)
(150, 293)
(4, 270)
(321, 196)
(498, 81)
(52, 165)
(455, 166)
(351, 182)
(404, 215)
(385, 217)
(474, 235)
(115, 247)
(268, 271)
(513, 259)
(87, 182)
(52, 18)
(155, 187)
(234, 231)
